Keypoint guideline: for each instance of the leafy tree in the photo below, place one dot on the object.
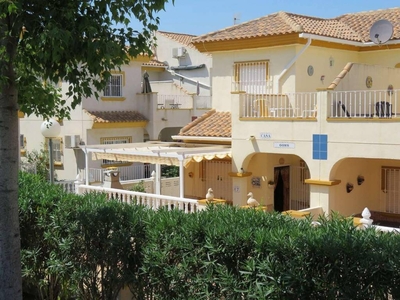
(75, 41)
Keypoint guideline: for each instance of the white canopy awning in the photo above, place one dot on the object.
(159, 152)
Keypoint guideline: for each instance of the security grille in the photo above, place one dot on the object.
(114, 86)
(299, 191)
(390, 186)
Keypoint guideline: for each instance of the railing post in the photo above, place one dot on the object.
(366, 220)
(153, 178)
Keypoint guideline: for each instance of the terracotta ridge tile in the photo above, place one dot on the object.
(341, 75)
(292, 23)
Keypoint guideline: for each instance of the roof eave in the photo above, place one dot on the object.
(342, 41)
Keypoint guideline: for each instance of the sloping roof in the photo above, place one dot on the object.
(116, 116)
(210, 124)
(184, 39)
(154, 63)
(353, 27)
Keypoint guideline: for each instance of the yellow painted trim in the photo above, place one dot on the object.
(22, 152)
(322, 182)
(244, 174)
(116, 165)
(260, 207)
(155, 69)
(361, 119)
(312, 119)
(296, 214)
(21, 114)
(140, 58)
(279, 40)
(238, 92)
(113, 98)
(214, 201)
(248, 43)
(119, 125)
(58, 164)
(116, 72)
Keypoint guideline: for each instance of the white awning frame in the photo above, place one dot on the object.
(178, 154)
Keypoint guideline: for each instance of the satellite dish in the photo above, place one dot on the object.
(381, 31)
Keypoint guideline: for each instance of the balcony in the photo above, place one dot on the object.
(183, 102)
(367, 104)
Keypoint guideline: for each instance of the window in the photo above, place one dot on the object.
(115, 140)
(114, 86)
(390, 186)
(252, 77)
(57, 150)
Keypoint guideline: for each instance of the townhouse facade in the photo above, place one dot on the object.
(126, 112)
(314, 111)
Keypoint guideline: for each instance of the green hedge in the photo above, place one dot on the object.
(85, 247)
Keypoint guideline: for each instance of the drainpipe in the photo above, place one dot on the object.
(277, 88)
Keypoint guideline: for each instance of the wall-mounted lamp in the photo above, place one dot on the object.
(360, 179)
(164, 119)
(322, 78)
(349, 187)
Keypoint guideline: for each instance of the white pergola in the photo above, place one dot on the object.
(158, 153)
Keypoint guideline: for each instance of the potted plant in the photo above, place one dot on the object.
(271, 184)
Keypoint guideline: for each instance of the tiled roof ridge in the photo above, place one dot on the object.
(166, 33)
(341, 75)
(231, 27)
(367, 12)
(292, 23)
(182, 38)
(197, 121)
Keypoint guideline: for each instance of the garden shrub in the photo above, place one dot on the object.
(87, 247)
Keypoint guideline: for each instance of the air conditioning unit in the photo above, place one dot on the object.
(178, 52)
(72, 141)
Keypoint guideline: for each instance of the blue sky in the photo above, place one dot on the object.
(202, 16)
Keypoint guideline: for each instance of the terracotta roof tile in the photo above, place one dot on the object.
(361, 22)
(354, 27)
(184, 39)
(154, 63)
(116, 116)
(210, 124)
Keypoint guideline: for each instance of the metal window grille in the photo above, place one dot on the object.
(115, 140)
(114, 86)
(251, 77)
(299, 191)
(390, 185)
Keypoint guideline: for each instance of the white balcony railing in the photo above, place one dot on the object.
(152, 201)
(174, 102)
(126, 173)
(290, 105)
(363, 104)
